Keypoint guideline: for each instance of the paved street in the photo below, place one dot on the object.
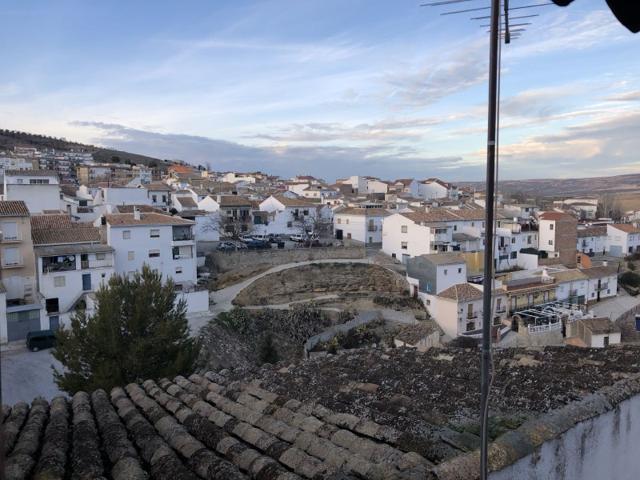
(616, 306)
(26, 375)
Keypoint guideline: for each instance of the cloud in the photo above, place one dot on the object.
(443, 76)
(601, 146)
(397, 130)
(633, 96)
(385, 160)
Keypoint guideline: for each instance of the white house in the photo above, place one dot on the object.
(435, 188)
(623, 239)
(184, 200)
(375, 185)
(361, 224)
(572, 285)
(113, 196)
(38, 189)
(287, 216)
(431, 274)
(159, 194)
(592, 240)
(603, 282)
(358, 183)
(511, 238)
(71, 262)
(458, 310)
(165, 243)
(407, 185)
(593, 333)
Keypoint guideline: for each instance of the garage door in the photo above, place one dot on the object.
(21, 323)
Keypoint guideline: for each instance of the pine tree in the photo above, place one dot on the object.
(138, 332)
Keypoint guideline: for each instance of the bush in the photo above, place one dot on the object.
(630, 279)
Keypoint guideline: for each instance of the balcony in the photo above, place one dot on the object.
(13, 238)
(372, 228)
(472, 315)
(13, 264)
(182, 234)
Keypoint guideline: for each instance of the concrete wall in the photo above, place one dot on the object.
(225, 261)
(605, 446)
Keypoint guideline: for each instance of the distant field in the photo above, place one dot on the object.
(629, 200)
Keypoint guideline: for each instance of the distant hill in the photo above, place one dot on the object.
(12, 138)
(563, 187)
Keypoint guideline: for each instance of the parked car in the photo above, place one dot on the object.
(227, 247)
(258, 245)
(298, 237)
(245, 237)
(263, 238)
(39, 339)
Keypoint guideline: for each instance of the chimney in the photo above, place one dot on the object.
(136, 214)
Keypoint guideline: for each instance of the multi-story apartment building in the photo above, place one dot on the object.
(361, 224)
(558, 236)
(71, 262)
(165, 243)
(17, 274)
(38, 189)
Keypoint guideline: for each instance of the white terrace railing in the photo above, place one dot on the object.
(547, 327)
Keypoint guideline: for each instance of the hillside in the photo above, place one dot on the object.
(627, 185)
(12, 138)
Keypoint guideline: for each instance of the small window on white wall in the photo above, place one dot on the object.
(404, 229)
(403, 245)
(100, 256)
(126, 234)
(59, 281)
(131, 256)
(154, 233)
(178, 270)
(154, 253)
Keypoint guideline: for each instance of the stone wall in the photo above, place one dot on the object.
(318, 279)
(226, 261)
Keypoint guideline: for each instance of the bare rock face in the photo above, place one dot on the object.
(322, 278)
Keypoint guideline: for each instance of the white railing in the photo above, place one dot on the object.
(548, 327)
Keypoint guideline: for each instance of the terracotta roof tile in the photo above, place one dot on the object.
(59, 236)
(126, 219)
(626, 227)
(462, 292)
(13, 208)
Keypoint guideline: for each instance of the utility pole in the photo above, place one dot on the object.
(487, 293)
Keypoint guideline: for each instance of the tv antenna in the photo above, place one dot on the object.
(501, 28)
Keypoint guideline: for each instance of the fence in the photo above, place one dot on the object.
(547, 327)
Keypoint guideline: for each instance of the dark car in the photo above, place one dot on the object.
(40, 339)
(227, 247)
(258, 244)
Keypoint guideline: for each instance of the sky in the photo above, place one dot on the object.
(329, 88)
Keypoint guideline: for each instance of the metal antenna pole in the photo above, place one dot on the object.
(488, 229)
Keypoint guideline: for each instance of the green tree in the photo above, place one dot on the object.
(138, 332)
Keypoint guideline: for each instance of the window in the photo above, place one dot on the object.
(550, 242)
(459, 270)
(289, 224)
(404, 229)
(473, 224)
(10, 256)
(154, 233)
(154, 198)
(513, 240)
(59, 281)
(178, 270)
(131, 256)
(100, 256)
(455, 228)
(529, 240)
(551, 226)
(305, 212)
(126, 234)
(338, 220)
(164, 199)
(9, 230)
(347, 221)
(154, 253)
(445, 271)
(514, 255)
(403, 245)
(38, 181)
(428, 302)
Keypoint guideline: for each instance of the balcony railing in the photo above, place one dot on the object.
(11, 238)
(472, 316)
(181, 237)
(372, 228)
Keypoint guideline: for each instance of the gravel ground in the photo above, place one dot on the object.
(27, 375)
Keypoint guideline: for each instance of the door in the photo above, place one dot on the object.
(54, 322)
(370, 239)
(338, 234)
(606, 342)
(21, 323)
(86, 281)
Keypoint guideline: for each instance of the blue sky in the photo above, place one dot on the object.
(329, 88)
